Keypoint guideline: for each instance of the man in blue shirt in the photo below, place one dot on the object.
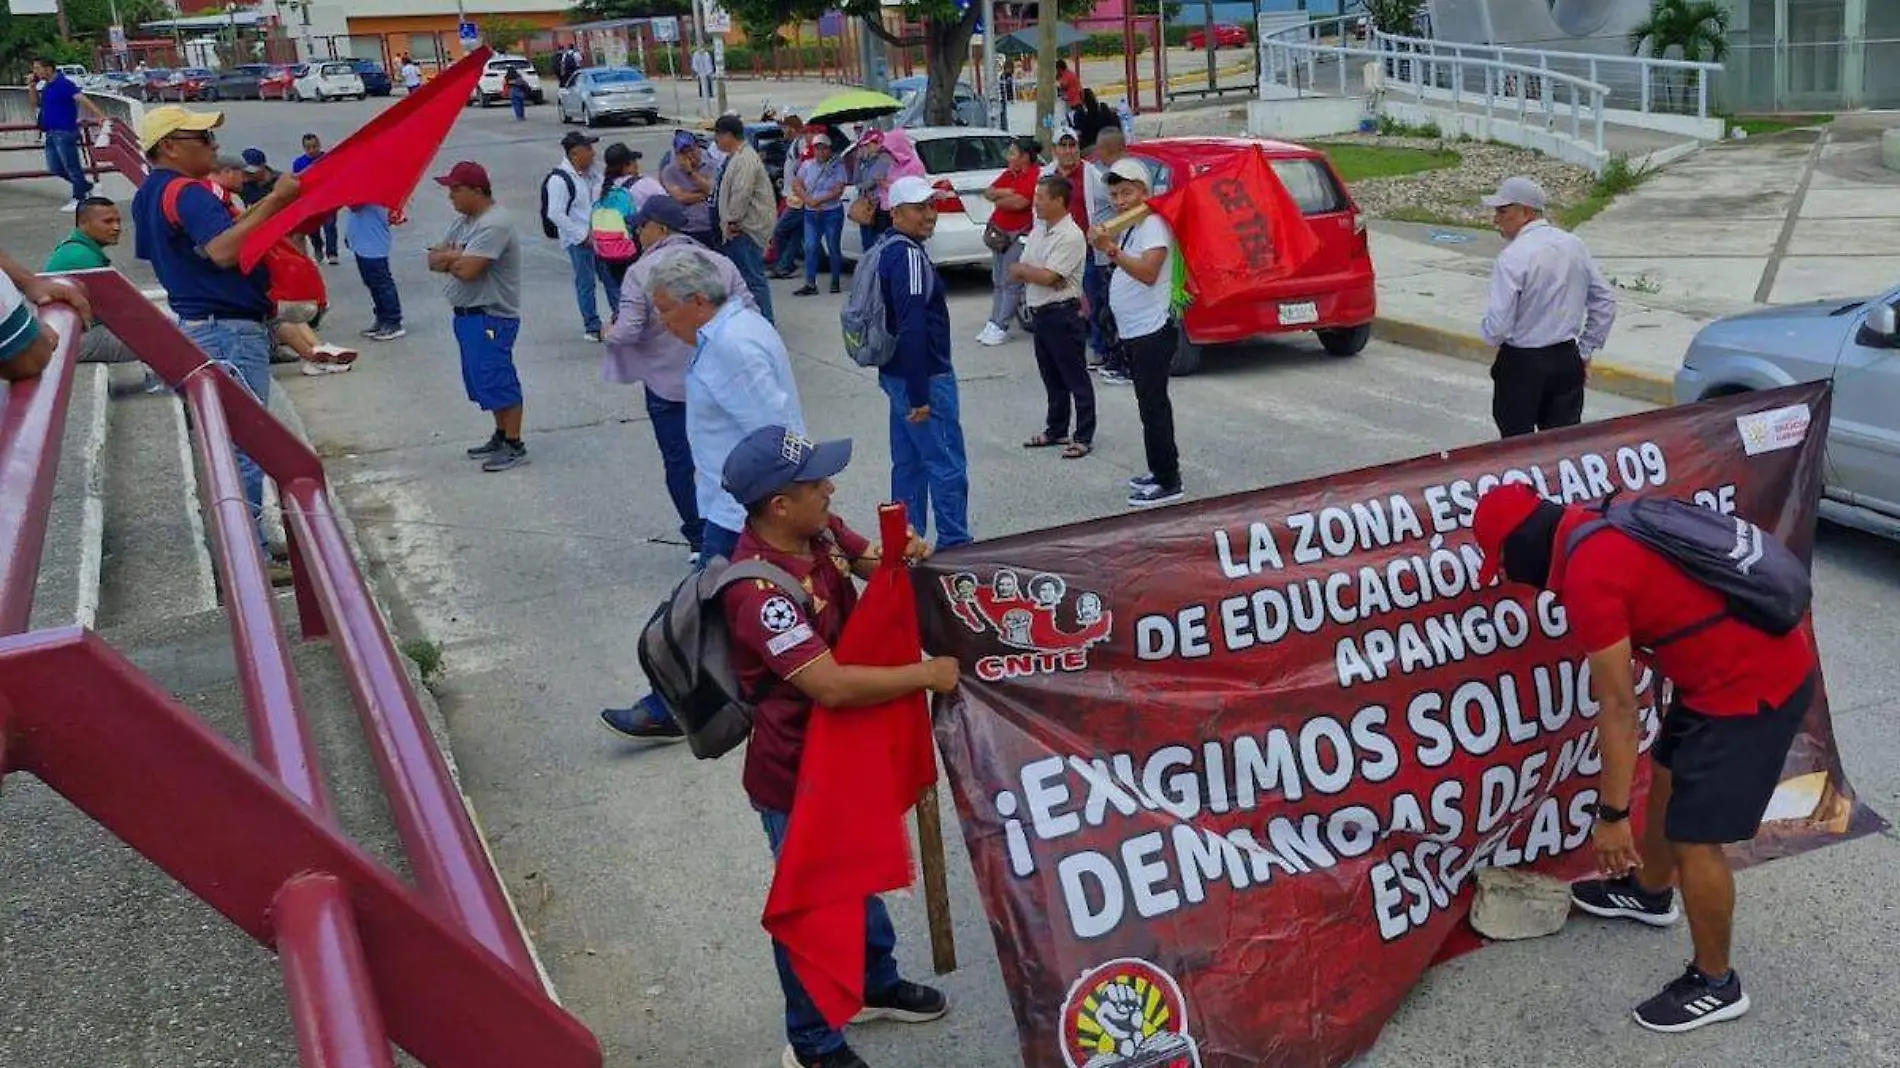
(322, 242)
(221, 308)
(59, 101)
(370, 242)
(928, 464)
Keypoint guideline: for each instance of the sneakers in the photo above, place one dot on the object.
(385, 333)
(835, 288)
(591, 335)
(907, 1002)
(373, 331)
(842, 1057)
(1152, 494)
(329, 353)
(68, 208)
(1140, 481)
(643, 721)
(332, 261)
(507, 454)
(806, 290)
(1692, 1001)
(992, 335)
(317, 368)
(486, 448)
(1623, 898)
(1112, 376)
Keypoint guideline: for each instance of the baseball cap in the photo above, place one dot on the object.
(871, 137)
(730, 125)
(254, 160)
(663, 210)
(1127, 170)
(772, 458)
(161, 122)
(1518, 190)
(575, 139)
(1066, 134)
(910, 189)
(618, 154)
(1500, 511)
(467, 173)
(683, 139)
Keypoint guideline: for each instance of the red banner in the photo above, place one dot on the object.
(1226, 770)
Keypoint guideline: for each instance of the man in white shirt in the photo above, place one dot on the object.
(1140, 297)
(703, 68)
(1051, 273)
(569, 192)
(411, 75)
(1550, 309)
(1110, 147)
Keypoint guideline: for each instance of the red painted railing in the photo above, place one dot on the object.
(441, 968)
(120, 153)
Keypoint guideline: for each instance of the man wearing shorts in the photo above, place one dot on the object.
(481, 261)
(1740, 696)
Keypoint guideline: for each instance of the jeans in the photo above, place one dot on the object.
(382, 289)
(519, 101)
(824, 228)
(1095, 288)
(745, 254)
(64, 159)
(927, 460)
(1151, 359)
(788, 238)
(715, 540)
(243, 347)
(581, 258)
(1062, 359)
(1008, 295)
(868, 234)
(323, 243)
(669, 432)
(805, 1027)
(611, 275)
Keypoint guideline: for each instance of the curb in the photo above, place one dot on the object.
(1605, 373)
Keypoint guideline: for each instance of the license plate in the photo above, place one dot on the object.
(1299, 313)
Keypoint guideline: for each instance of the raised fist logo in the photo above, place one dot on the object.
(1119, 1015)
(1127, 1013)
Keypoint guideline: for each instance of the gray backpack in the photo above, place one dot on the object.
(867, 327)
(686, 653)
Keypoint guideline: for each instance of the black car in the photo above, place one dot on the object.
(239, 83)
(375, 78)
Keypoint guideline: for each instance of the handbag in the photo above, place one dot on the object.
(864, 209)
(997, 239)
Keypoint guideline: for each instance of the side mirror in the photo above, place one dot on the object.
(1881, 328)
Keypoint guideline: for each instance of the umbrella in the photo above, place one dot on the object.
(857, 105)
(1027, 42)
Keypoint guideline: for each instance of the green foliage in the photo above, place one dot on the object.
(1395, 16)
(1696, 30)
(505, 34)
(1358, 163)
(946, 35)
(1391, 127)
(596, 10)
(427, 656)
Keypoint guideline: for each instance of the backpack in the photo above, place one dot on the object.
(868, 338)
(611, 239)
(547, 221)
(1762, 582)
(295, 278)
(686, 653)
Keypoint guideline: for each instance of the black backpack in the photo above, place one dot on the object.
(547, 221)
(1762, 582)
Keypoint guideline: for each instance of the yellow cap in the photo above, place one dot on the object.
(162, 122)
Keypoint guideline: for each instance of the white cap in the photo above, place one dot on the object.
(911, 189)
(1519, 190)
(1066, 134)
(1128, 169)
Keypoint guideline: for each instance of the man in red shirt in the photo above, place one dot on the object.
(1740, 695)
(781, 650)
(1013, 197)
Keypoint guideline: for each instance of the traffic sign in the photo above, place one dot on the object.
(718, 19)
(666, 30)
(116, 34)
(469, 34)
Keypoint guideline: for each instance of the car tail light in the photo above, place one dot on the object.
(947, 198)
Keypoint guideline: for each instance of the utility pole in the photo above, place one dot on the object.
(1046, 25)
(991, 38)
(869, 61)
(59, 10)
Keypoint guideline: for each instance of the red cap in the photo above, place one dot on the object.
(1500, 511)
(466, 173)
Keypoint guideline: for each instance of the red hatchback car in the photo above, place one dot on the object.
(1333, 295)
(1226, 35)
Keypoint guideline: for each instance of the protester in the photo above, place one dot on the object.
(96, 227)
(411, 74)
(1140, 297)
(26, 344)
(1051, 269)
(292, 323)
(747, 208)
(481, 257)
(928, 465)
(1092, 118)
(568, 194)
(618, 201)
(1069, 87)
(566, 62)
(738, 379)
(871, 168)
(703, 70)
(690, 179)
(323, 246)
(784, 484)
(1550, 309)
(1110, 146)
(788, 234)
(515, 84)
(59, 101)
(370, 242)
(1013, 194)
(1739, 696)
(259, 177)
(1007, 84)
(820, 183)
(1083, 178)
(223, 309)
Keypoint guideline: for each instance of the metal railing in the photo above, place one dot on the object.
(441, 968)
(1644, 84)
(19, 132)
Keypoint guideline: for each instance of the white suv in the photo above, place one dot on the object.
(329, 80)
(492, 88)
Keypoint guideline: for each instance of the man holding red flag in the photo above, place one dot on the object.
(782, 643)
(1140, 297)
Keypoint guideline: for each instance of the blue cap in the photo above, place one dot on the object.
(253, 157)
(662, 209)
(772, 458)
(684, 139)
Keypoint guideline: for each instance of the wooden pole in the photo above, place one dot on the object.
(943, 936)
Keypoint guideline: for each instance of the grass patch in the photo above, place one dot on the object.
(1757, 125)
(1412, 214)
(1358, 163)
(1391, 127)
(427, 656)
(1618, 177)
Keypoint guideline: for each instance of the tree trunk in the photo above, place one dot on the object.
(946, 48)
(1046, 58)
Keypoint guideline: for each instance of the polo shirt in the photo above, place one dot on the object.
(1614, 587)
(302, 163)
(79, 252)
(1024, 182)
(1060, 248)
(196, 287)
(59, 104)
(774, 638)
(369, 232)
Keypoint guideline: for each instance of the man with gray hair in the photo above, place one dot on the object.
(738, 379)
(1550, 310)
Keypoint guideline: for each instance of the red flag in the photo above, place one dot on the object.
(863, 769)
(380, 163)
(1237, 226)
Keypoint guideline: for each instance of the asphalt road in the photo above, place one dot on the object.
(642, 871)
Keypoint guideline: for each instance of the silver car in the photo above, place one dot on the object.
(1857, 344)
(602, 94)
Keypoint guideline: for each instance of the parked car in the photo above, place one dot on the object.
(491, 88)
(275, 83)
(1226, 35)
(179, 85)
(608, 94)
(971, 109)
(961, 162)
(1854, 342)
(330, 80)
(375, 78)
(242, 82)
(1333, 293)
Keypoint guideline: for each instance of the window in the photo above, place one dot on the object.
(616, 77)
(945, 155)
(1311, 184)
(337, 70)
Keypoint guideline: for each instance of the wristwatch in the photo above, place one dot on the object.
(1606, 814)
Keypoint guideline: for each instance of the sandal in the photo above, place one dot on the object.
(1077, 450)
(1044, 441)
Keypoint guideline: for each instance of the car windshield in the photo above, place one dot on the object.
(338, 69)
(970, 152)
(197, 72)
(616, 77)
(511, 64)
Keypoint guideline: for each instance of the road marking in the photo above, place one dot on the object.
(1767, 285)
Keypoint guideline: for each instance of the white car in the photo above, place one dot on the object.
(602, 94)
(969, 160)
(492, 88)
(333, 80)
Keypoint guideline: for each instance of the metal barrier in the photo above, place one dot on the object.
(20, 132)
(442, 968)
(1644, 84)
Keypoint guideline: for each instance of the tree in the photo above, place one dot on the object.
(1694, 30)
(505, 34)
(601, 10)
(1395, 16)
(945, 36)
